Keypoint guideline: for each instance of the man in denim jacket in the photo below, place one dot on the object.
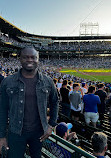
(24, 97)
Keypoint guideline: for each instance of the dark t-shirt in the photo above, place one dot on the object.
(64, 92)
(102, 95)
(31, 120)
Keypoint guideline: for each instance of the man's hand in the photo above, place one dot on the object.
(46, 134)
(72, 135)
(3, 142)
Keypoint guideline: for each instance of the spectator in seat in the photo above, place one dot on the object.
(63, 131)
(90, 106)
(99, 144)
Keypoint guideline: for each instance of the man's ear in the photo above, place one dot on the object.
(65, 136)
(106, 148)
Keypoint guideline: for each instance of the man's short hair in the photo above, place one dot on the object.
(99, 142)
(76, 85)
(83, 84)
(100, 85)
(70, 82)
(27, 47)
(91, 89)
(65, 82)
(55, 80)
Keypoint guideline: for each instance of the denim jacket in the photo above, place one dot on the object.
(12, 98)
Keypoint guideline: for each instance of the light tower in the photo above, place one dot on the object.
(89, 29)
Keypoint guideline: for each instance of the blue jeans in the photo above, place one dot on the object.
(17, 144)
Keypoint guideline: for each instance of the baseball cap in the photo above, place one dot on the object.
(69, 125)
(61, 129)
(83, 84)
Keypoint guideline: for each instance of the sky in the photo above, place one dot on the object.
(57, 17)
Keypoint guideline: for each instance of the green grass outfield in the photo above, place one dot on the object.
(105, 77)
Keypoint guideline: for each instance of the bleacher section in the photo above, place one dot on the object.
(56, 147)
(85, 132)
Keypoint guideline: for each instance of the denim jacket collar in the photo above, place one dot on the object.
(39, 75)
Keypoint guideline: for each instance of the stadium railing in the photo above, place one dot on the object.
(65, 146)
(85, 132)
(54, 145)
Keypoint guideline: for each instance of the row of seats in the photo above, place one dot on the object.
(85, 132)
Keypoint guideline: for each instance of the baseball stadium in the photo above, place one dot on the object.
(83, 61)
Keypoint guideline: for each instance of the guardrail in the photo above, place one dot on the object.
(56, 147)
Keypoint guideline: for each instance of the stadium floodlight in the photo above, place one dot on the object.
(89, 29)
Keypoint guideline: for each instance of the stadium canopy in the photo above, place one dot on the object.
(10, 29)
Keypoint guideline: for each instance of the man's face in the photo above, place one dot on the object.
(29, 59)
(77, 88)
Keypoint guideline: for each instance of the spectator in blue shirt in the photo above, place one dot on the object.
(90, 102)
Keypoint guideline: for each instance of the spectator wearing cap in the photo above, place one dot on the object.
(90, 102)
(99, 144)
(63, 131)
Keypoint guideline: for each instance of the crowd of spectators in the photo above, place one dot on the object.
(78, 46)
(50, 67)
(74, 92)
(77, 63)
(59, 46)
(6, 39)
(9, 65)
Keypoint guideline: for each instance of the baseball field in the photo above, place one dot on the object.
(91, 74)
